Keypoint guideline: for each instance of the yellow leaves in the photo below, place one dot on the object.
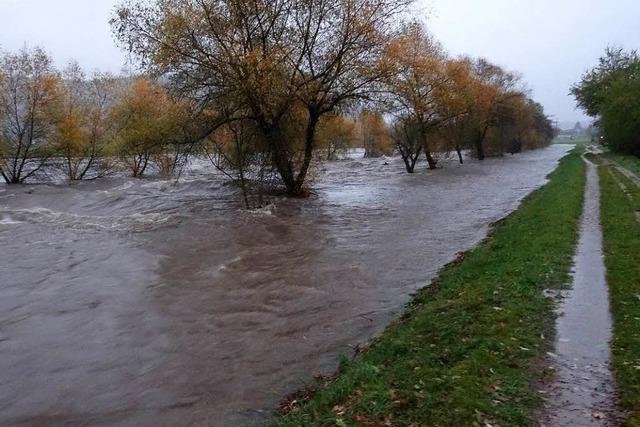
(147, 120)
(263, 76)
(28, 82)
(374, 134)
(50, 85)
(145, 97)
(423, 83)
(336, 132)
(69, 132)
(146, 108)
(175, 22)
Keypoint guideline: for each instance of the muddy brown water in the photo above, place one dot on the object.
(145, 302)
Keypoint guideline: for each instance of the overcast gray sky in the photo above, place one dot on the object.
(551, 42)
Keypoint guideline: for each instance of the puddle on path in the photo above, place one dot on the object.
(582, 393)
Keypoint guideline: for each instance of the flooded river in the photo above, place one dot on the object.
(145, 302)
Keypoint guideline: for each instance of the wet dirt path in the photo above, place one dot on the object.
(583, 393)
(149, 302)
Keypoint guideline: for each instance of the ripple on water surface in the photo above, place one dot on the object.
(151, 300)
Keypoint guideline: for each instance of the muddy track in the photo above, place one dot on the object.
(582, 392)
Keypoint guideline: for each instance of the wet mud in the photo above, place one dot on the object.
(582, 392)
(150, 302)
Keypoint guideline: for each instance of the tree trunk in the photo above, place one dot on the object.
(140, 164)
(408, 164)
(480, 149)
(241, 162)
(280, 157)
(459, 151)
(146, 162)
(430, 160)
(88, 165)
(409, 159)
(70, 173)
(480, 143)
(310, 134)
(243, 187)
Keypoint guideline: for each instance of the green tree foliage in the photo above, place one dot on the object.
(610, 92)
(620, 119)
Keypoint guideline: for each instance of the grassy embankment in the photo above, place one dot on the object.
(632, 163)
(466, 351)
(622, 258)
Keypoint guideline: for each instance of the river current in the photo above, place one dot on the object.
(156, 302)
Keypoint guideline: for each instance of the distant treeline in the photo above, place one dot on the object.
(610, 92)
(260, 88)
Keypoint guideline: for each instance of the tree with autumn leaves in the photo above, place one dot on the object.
(267, 60)
(453, 104)
(423, 91)
(29, 90)
(85, 125)
(146, 119)
(83, 122)
(277, 80)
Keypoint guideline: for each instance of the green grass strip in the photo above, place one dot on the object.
(632, 163)
(466, 351)
(622, 258)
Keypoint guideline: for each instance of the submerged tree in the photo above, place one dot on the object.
(265, 58)
(408, 140)
(374, 134)
(29, 90)
(236, 150)
(82, 121)
(492, 89)
(422, 91)
(336, 135)
(528, 127)
(455, 135)
(145, 118)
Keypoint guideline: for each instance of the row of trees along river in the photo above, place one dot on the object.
(261, 89)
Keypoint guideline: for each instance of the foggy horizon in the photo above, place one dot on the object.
(549, 43)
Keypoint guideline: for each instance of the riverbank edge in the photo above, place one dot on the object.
(621, 233)
(469, 347)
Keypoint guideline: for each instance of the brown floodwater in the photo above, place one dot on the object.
(150, 302)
